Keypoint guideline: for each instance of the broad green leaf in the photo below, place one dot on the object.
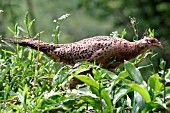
(93, 83)
(122, 75)
(133, 72)
(123, 90)
(152, 105)
(142, 91)
(139, 101)
(158, 103)
(94, 90)
(69, 102)
(106, 98)
(87, 80)
(155, 84)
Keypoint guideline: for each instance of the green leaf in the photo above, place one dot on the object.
(133, 72)
(158, 103)
(39, 102)
(93, 83)
(162, 64)
(167, 74)
(155, 84)
(87, 80)
(97, 74)
(123, 90)
(7, 69)
(30, 24)
(25, 94)
(30, 55)
(152, 105)
(13, 32)
(16, 29)
(6, 92)
(142, 91)
(151, 33)
(123, 34)
(13, 81)
(106, 97)
(21, 29)
(168, 93)
(122, 75)
(94, 90)
(26, 19)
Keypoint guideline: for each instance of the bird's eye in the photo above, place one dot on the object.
(152, 41)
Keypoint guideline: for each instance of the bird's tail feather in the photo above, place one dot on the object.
(44, 47)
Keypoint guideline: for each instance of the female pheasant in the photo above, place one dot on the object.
(101, 49)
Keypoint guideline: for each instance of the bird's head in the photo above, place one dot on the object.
(149, 42)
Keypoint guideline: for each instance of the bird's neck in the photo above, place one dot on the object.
(140, 47)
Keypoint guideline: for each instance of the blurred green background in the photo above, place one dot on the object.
(90, 18)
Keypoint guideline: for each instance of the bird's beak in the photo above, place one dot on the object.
(160, 45)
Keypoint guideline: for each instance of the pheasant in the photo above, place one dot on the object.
(101, 49)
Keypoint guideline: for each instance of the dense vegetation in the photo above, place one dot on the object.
(31, 82)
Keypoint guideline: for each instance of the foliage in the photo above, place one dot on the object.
(123, 90)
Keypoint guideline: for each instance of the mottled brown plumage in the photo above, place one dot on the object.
(101, 49)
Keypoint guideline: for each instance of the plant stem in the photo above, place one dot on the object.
(134, 26)
(164, 86)
(87, 105)
(37, 58)
(100, 96)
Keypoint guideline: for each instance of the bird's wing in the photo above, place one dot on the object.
(103, 56)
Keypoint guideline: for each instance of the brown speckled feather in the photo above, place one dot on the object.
(101, 49)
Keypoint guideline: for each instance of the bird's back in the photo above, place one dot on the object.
(84, 49)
